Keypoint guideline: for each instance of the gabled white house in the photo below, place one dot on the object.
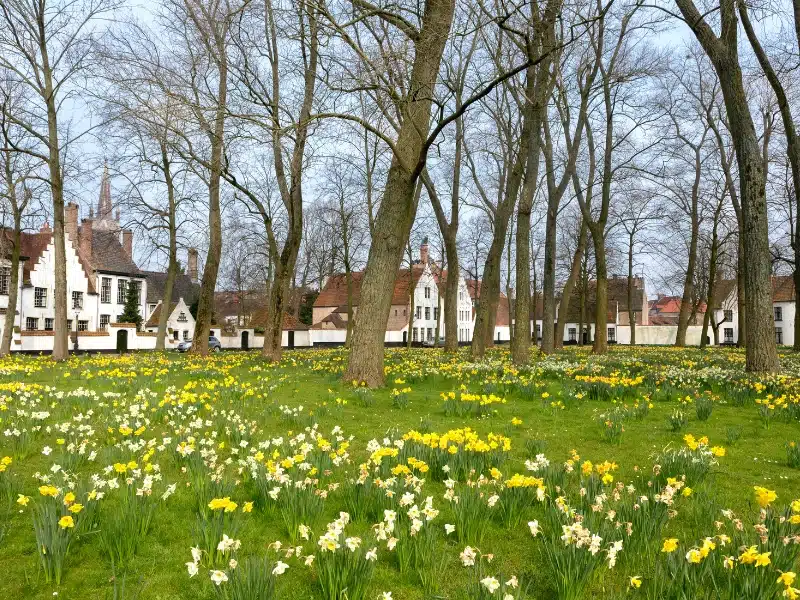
(100, 271)
(424, 281)
(783, 310)
(180, 323)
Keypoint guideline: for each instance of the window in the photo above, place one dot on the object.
(427, 313)
(40, 297)
(185, 335)
(83, 325)
(778, 313)
(415, 335)
(105, 290)
(427, 292)
(405, 312)
(430, 334)
(779, 336)
(69, 324)
(419, 312)
(77, 300)
(573, 334)
(122, 291)
(182, 317)
(728, 315)
(104, 320)
(395, 312)
(31, 324)
(152, 307)
(611, 331)
(137, 285)
(728, 335)
(435, 313)
(5, 280)
(49, 324)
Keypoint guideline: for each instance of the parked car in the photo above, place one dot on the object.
(214, 345)
(432, 342)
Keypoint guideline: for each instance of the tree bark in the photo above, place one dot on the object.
(792, 142)
(399, 206)
(60, 334)
(13, 287)
(762, 355)
(208, 284)
(172, 266)
(291, 191)
(631, 312)
(688, 283)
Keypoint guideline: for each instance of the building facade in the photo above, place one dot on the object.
(100, 272)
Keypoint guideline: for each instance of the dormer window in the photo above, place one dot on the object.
(182, 317)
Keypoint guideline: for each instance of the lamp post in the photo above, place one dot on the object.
(75, 346)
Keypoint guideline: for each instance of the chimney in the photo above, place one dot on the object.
(127, 242)
(71, 221)
(45, 228)
(423, 252)
(192, 266)
(86, 238)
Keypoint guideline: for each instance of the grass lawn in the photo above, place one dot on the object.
(102, 427)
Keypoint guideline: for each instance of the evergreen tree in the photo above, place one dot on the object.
(131, 312)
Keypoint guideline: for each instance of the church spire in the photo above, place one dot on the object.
(104, 204)
(105, 213)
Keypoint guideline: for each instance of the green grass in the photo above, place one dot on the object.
(311, 380)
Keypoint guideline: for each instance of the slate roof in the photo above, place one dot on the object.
(183, 287)
(109, 256)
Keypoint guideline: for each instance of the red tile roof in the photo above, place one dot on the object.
(335, 291)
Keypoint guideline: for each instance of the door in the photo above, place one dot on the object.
(122, 341)
(245, 340)
(291, 339)
(405, 338)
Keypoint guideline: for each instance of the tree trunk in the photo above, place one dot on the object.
(348, 275)
(569, 287)
(451, 291)
(13, 286)
(631, 312)
(486, 312)
(208, 284)
(172, 266)
(399, 206)
(600, 345)
(792, 141)
(762, 354)
(291, 191)
(60, 334)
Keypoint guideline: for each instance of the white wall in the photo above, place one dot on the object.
(663, 335)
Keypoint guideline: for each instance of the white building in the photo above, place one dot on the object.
(100, 271)
(783, 310)
(425, 282)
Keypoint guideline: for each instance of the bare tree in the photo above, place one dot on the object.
(774, 77)
(45, 45)
(723, 50)
(18, 172)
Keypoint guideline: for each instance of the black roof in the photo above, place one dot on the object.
(183, 287)
(109, 256)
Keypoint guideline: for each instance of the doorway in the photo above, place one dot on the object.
(122, 341)
(245, 340)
